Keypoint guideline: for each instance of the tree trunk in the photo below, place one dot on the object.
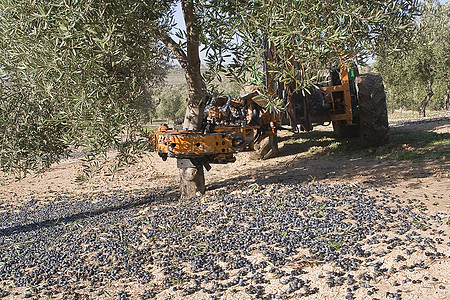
(427, 98)
(192, 179)
(192, 182)
(447, 100)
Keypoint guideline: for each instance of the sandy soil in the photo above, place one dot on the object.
(152, 172)
(428, 181)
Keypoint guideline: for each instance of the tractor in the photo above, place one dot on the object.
(354, 104)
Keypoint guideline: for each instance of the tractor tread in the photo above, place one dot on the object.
(374, 127)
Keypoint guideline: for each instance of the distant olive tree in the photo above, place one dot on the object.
(172, 101)
(415, 77)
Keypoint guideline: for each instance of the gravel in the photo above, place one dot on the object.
(137, 244)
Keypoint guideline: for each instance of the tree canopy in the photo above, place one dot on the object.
(309, 34)
(74, 71)
(74, 74)
(415, 76)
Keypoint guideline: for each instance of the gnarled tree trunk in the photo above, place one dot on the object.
(192, 179)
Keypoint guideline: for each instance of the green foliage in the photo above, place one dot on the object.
(407, 75)
(309, 35)
(223, 85)
(74, 74)
(172, 101)
(305, 37)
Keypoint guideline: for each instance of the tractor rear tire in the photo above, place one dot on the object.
(373, 118)
(267, 147)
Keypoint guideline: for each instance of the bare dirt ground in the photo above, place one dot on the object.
(295, 164)
(427, 182)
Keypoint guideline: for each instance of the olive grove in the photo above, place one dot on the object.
(421, 74)
(74, 71)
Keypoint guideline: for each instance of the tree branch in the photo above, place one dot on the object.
(192, 36)
(175, 48)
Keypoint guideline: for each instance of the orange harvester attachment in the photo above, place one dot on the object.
(230, 125)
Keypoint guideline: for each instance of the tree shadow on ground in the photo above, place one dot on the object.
(304, 141)
(426, 124)
(303, 170)
(129, 201)
(319, 155)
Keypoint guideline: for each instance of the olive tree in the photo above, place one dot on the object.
(414, 77)
(172, 101)
(75, 74)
